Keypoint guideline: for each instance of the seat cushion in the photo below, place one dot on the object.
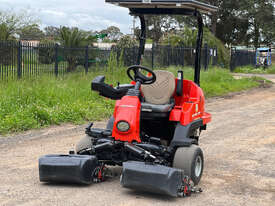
(161, 91)
(163, 108)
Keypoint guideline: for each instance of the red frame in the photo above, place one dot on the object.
(188, 108)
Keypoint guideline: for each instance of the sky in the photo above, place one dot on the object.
(85, 14)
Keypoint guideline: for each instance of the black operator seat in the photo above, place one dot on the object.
(158, 96)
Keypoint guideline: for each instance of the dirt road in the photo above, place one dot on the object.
(239, 148)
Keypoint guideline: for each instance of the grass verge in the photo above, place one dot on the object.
(44, 101)
(253, 70)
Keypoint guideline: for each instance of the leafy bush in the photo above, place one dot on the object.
(93, 56)
(8, 52)
(188, 38)
(126, 42)
(74, 41)
(46, 52)
(127, 50)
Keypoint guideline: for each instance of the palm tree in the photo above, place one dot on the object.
(72, 38)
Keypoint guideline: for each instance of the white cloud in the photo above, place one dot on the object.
(85, 14)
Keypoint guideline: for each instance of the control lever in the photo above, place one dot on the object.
(88, 129)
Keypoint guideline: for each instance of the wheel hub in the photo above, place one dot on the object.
(198, 166)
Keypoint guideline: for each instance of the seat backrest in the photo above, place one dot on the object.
(161, 91)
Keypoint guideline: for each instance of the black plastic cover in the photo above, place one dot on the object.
(179, 88)
(99, 133)
(107, 90)
(182, 134)
(67, 168)
(153, 178)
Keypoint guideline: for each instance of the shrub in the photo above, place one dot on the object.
(127, 50)
(188, 38)
(46, 52)
(8, 52)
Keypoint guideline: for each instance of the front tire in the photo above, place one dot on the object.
(191, 161)
(110, 123)
(83, 143)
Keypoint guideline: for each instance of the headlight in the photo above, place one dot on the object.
(123, 126)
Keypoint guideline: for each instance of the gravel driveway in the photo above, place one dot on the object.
(239, 148)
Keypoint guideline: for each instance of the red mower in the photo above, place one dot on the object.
(154, 131)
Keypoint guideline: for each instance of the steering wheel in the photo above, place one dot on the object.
(139, 76)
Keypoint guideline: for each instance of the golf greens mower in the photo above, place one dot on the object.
(155, 128)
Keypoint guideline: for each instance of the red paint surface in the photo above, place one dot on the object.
(188, 108)
(127, 109)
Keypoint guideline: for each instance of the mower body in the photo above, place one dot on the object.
(188, 113)
(157, 144)
(128, 110)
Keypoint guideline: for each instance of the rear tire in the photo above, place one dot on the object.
(83, 143)
(191, 161)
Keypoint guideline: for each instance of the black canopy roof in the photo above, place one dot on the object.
(165, 4)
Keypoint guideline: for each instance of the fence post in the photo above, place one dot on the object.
(56, 60)
(232, 53)
(183, 52)
(205, 56)
(216, 56)
(153, 50)
(19, 60)
(86, 59)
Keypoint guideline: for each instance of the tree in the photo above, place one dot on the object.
(261, 19)
(73, 38)
(46, 51)
(52, 32)
(188, 38)
(126, 41)
(14, 22)
(31, 32)
(214, 16)
(126, 50)
(243, 22)
(155, 23)
(7, 52)
(156, 27)
(4, 32)
(113, 33)
(231, 27)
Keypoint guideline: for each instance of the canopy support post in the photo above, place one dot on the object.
(142, 39)
(198, 48)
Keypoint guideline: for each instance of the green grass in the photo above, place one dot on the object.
(252, 70)
(217, 82)
(44, 101)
